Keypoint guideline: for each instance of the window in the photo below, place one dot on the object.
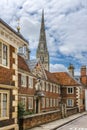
(59, 89)
(4, 105)
(53, 88)
(57, 102)
(70, 102)
(50, 87)
(56, 89)
(70, 90)
(23, 80)
(4, 53)
(43, 102)
(23, 101)
(51, 102)
(30, 103)
(43, 85)
(54, 102)
(30, 82)
(47, 87)
(47, 102)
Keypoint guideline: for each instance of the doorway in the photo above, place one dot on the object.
(37, 103)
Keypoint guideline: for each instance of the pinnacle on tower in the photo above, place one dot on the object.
(42, 52)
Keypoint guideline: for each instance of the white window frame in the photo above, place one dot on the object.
(30, 82)
(54, 88)
(47, 86)
(23, 83)
(23, 102)
(54, 102)
(51, 102)
(71, 102)
(72, 89)
(7, 66)
(57, 90)
(7, 105)
(51, 87)
(43, 85)
(30, 100)
(43, 102)
(47, 102)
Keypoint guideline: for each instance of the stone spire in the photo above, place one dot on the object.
(42, 51)
(42, 39)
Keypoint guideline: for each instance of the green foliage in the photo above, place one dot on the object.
(28, 112)
(21, 110)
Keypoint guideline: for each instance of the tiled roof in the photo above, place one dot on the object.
(22, 64)
(51, 77)
(65, 79)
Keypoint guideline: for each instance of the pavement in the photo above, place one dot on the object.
(58, 123)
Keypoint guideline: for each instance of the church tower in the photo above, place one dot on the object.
(42, 51)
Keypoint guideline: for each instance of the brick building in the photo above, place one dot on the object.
(39, 92)
(72, 91)
(10, 40)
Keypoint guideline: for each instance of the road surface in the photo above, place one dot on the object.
(78, 124)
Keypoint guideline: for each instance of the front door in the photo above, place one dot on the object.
(37, 103)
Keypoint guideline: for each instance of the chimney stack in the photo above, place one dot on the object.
(71, 69)
(84, 75)
(83, 71)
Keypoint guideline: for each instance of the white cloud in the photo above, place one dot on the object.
(65, 20)
(57, 68)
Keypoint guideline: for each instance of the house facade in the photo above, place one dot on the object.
(72, 92)
(10, 40)
(38, 93)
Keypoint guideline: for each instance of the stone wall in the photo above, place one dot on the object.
(71, 111)
(30, 121)
(37, 119)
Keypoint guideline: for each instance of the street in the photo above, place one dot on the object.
(78, 124)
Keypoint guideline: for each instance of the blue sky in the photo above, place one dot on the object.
(66, 28)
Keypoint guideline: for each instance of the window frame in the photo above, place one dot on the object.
(24, 85)
(70, 90)
(71, 104)
(23, 97)
(47, 87)
(30, 99)
(2, 92)
(8, 52)
(43, 85)
(51, 89)
(43, 102)
(47, 102)
(30, 82)
(51, 102)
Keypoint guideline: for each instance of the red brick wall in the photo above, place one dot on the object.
(5, 73)
(65, 96)
(25, 90)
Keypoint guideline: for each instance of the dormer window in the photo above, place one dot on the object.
(4, 53)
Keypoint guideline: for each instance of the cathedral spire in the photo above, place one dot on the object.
(42, 52)
(42, 39)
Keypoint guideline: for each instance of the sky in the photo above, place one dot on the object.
(65, 25)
